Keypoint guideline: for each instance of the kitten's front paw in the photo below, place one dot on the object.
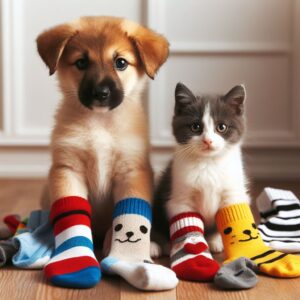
(155, 250)
(215, 243)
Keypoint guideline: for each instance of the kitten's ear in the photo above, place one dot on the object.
(183, 97)
(236, 98)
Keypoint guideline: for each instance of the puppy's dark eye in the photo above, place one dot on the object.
(254, 226)
(82, 63)
(196, 127)
(143, 229)
(227, 230)
(118, 227)
(222, 128)
(121, 64)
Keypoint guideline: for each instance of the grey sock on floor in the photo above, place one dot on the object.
(238, 274)
(7, 251)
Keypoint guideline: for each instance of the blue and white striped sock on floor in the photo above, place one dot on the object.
(280, 219)
(129, 256)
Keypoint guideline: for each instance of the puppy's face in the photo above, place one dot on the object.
(101, 60)
(100, 68)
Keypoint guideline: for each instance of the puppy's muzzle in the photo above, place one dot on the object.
(106, 93)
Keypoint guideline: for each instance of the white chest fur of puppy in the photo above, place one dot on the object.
(105, 142)
(99, 143)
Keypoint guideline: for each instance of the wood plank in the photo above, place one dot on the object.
(19, 284)
(205, 291)
(275, 288)
(32, 284)
(107, 289)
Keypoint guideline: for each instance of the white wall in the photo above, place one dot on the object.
(215, 44)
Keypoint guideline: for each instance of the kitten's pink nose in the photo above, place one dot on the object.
(207, 142)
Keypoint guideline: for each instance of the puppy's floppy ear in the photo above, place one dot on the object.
(152, 47)
(52, 42)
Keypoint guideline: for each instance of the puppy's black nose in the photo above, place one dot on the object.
(101, 92)
(247, 232)
(129, 234)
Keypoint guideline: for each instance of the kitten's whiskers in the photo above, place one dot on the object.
(184, 152)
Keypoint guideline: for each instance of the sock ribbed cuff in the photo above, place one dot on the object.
(70, 211)
(134, 206)
(184, 223)
(233, 213)
(71, 204)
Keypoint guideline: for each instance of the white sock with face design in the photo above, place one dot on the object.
(129, 255)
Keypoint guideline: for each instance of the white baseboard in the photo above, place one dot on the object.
(277, 164)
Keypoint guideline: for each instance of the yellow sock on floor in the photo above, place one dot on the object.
(241, 238)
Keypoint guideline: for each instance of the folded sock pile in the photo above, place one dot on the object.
(280, 219)
(36, 245)
(32, 244)
(7, 247)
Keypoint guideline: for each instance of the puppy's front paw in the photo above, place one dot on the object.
(215, 243)
(155, 250)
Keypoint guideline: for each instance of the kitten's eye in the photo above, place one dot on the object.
(195, 127)
(254, 226)
(82, 63)
(121, 64)
(221, 127)
(118, 227)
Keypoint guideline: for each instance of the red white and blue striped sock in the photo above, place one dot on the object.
(73, 263)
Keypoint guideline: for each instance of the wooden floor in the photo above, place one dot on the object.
(21, 196)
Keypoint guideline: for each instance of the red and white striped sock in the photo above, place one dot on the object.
(190, 256)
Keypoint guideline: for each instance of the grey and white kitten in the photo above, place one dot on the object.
(206, 172)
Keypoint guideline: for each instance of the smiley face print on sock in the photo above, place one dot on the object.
(130, 235)
(242, 235)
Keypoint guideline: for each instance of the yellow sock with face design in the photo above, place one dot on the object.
(241, 238)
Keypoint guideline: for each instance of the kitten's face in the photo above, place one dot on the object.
(208, 125)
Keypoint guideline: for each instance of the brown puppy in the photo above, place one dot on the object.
(100, 139)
